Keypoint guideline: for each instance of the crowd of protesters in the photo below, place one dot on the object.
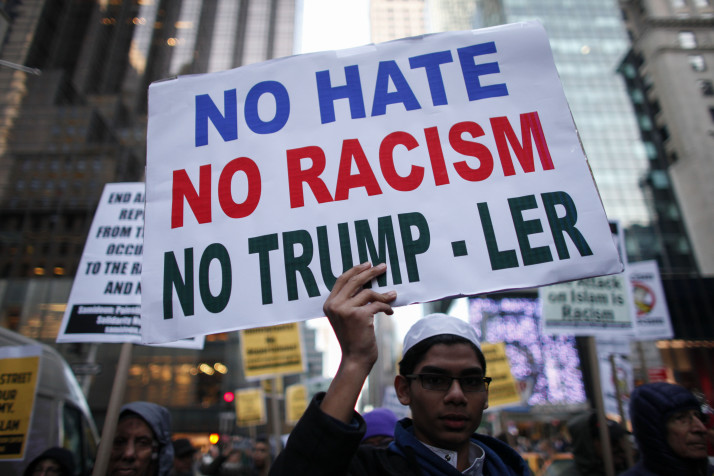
(443, 379)
(672, 433)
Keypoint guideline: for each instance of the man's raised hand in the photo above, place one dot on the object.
(350, 309)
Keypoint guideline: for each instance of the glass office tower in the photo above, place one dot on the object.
(81, 124)
(589, 40)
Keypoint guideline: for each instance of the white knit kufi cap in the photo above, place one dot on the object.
(438, 324)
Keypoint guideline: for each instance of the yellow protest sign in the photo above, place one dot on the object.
(295, 402)
(503, 389)
(272, 350)
(250, 407)
(19, 367)
(267, 385)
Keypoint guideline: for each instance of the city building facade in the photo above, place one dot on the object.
(670, 75)
(74, 76)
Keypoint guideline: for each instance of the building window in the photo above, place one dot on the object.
(659, 179)
(711, 113)
(706, 86)
(687, 40)
(645, 122)
(637, 96)
(697, 63)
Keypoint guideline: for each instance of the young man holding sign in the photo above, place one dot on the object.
(441, 378)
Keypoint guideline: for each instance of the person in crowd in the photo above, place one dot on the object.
(142, 441)
(380, 427)
(212, 460)
(587, 448)
(262, 457)
(670, 431)
(441, 378)
(184, 457)
(53, 461)
(235, 463)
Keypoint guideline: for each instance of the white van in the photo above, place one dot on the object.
(60, 417)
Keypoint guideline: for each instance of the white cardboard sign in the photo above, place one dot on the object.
(105, 301)
(452, 157)
(652, 319)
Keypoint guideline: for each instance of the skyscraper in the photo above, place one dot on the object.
(82, 123)
(672, 59)
(589, 40)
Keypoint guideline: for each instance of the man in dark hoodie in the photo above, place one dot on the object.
(669, 427)
(442, 378)
(54, 461)
(587, 448)
(142, 441)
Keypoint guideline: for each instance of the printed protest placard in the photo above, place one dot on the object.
(503, 389)
(651, 312)
(105, 301)
(594, 306)
(616, 374)
(19, 368)
(452, 157)
(250, 407)
(295, 402)
(275, 350)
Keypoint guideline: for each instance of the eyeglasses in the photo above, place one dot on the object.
(687, 417)
(443, 383)
(141, 444)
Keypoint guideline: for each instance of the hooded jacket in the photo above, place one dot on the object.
(159, 419)
(63, 457)
(651, 405)
(586, 459)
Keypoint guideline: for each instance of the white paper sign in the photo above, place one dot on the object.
(651, 312)
(591, 307)
(614, 349)
(105, 300)
(451, 157)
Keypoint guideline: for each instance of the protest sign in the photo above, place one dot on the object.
(503, 389)
(105, 300)
(250, 407)
(19, 367)
(590, 307)
(275, 350)
(452, 157)
(651, 312)
(295, 402)
(616, 374)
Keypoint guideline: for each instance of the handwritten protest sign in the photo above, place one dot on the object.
(105, 301)
(451, 157)
(19, 367)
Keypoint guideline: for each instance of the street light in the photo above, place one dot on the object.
(20, 67)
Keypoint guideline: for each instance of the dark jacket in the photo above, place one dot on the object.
(322, 445)
(651, 405)
(159, 419)
(584, 431)
(587, 461)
